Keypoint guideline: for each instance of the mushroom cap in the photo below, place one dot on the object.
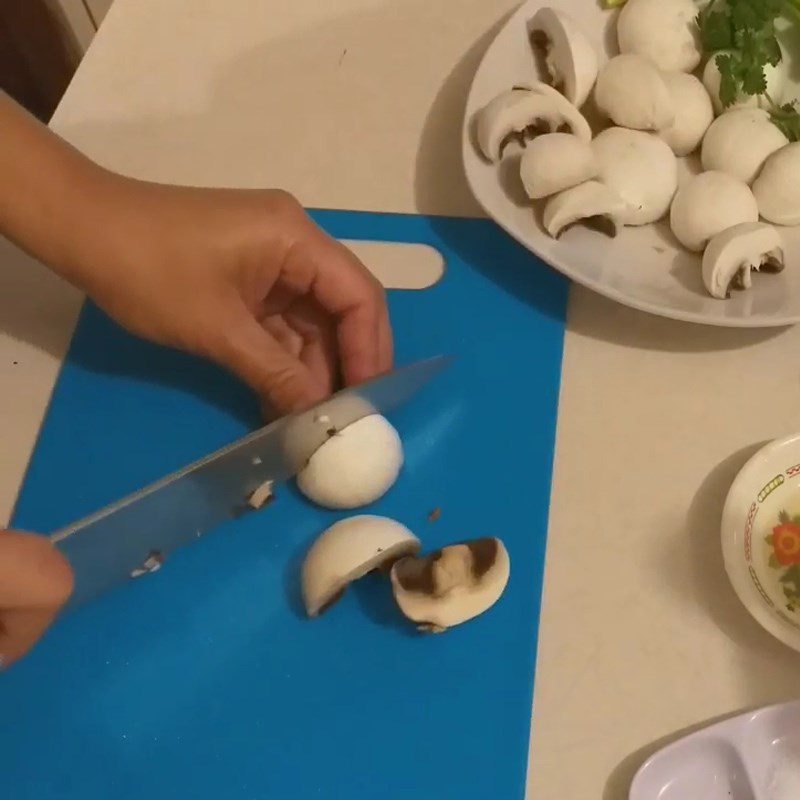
(554, 162)
(693, 112)
(355, 466)
(525, 113)
(591, 201)
(641, 169)
(740, 141)
(453, 584)
(776, 85)
(631, 91)
(569, 55)
(707, 204)
(662, 30)
(743, 247)
(777, 188)
(347, 551)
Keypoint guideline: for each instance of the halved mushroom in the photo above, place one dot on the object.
(591, 204)
(641, 169)
(347, 551)
(740, 141)
(777, 188)
(662, 30)
(569, 57)
(631, 91)
(693, 112)
(707, 204)
(521, 114)
(452, 585)
(732, 254)
(776, 85)
(554, 162)
(355, 466)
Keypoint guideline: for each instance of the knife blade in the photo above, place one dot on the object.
(133, 535)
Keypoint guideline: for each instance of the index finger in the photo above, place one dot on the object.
(347, 290)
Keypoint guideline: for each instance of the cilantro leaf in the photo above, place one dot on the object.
(716, 31)
(754, 81)
(728, 86)
(787, 120)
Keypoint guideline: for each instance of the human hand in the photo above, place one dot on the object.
(35, 581)
(242, 277)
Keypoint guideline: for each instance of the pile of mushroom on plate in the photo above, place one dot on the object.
(657, 101)
(353, 468)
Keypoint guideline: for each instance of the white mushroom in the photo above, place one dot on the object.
(591, 204)
(707, 204)
(641, 169)
(740, 141)
(663, 30)
(576, 122)
(554, 162)
(355, 466)
(776, 85)
(631, 91)
(777, 188)
(732, 254)
(569, 57)
(521, 114)
(346, 552)
(693, 113)
(451, 585)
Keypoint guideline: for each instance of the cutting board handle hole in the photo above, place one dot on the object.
(400, 265)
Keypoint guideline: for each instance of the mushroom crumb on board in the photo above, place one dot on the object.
(435, 514)
(262, 496)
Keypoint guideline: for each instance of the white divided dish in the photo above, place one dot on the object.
(642, 267)
(755, 756)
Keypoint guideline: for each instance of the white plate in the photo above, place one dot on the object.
(767, 485)
(755, 756)
(643, 267)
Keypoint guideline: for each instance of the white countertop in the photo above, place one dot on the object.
(641, 635)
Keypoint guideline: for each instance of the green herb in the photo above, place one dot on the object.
(787, 118)
(742, 35)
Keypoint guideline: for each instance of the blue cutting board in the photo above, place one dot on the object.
(205, 680)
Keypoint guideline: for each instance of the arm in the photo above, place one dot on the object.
(242, 277)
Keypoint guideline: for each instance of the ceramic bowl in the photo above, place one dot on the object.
(761, 538)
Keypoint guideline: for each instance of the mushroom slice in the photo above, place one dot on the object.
(777, 188)
(355, 466)
(732, 254)
(693, 113)
(641, 169)
(664, 31)
(707, 204)
(569, 58)
(452, 585)
(776, 85)
(346, 552)
(591, 204)
(631, 91)
(521, 114)
(554, 162)
(740, 141)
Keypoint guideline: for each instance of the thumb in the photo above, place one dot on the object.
(35, 581)
(282, 381)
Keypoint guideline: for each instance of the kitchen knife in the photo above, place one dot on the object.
(133, 536)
